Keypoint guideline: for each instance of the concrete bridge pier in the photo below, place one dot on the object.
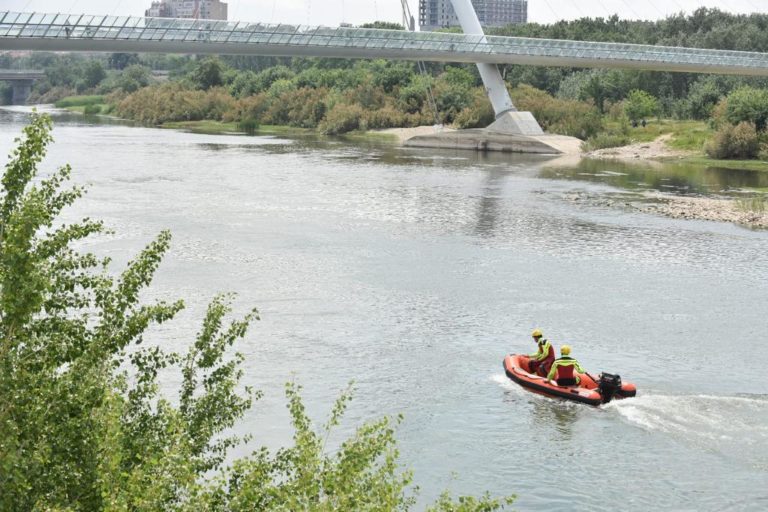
(21, 91)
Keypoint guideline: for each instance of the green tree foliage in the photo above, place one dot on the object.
(83, 424)
(701, 99)
(640, 105)
(121, 61)
(133, 78)
(94, 73)
(750, 105)
(208, 73)
(383, 25)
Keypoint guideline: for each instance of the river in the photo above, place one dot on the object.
(413, 272)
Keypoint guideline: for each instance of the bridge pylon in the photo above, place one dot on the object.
(508, 118)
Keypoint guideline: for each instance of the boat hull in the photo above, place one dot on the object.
(516, 367)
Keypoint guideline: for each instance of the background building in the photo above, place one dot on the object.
(434, 14)
(202, 9)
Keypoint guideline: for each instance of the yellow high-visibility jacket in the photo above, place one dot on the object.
(545, 350)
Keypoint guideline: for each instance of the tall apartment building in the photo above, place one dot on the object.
(202, 9)
(434, 14)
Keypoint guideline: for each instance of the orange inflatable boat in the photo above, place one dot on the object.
(590, 390)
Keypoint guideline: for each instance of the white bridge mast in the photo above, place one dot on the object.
(508, 119)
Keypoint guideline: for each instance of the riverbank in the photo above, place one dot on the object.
(657, 149)
(748, 212)
(670, 140)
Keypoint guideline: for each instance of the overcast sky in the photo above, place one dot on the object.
(332, 12)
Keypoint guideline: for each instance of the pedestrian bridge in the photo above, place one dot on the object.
(88, 33)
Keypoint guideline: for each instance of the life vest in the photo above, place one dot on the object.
(565, 368)
(546, 352)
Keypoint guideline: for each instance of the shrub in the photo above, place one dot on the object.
(304, 108)
(565, 117)
(249, 126)
(342, 118)
(730, 142)
(251, 107)
(386, 117)
(172, 102)
(478, 114)
(91, 110)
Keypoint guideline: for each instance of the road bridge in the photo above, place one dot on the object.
(21, 81)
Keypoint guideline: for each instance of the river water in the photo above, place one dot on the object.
(413, 272)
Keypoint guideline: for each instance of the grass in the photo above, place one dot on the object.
(372, 136)
(79, 101)
(686, 136)
(756, 204)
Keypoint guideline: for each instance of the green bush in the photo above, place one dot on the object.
(478, 114)
(734, 142)
(92, 110)
(342, 118)
(158, 104)
(564, 117)
(249, 126)
(83, 422)
(303, 108)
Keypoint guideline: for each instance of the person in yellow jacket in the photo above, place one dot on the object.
(542, 359)
(564, 368)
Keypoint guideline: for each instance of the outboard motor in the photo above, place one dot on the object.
(608, 386)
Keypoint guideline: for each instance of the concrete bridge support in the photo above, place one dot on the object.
(21, 91)
(508, 118)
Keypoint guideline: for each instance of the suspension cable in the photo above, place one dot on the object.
(407, 25)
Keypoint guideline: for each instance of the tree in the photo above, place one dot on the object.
(93, 73)
(208, 73)
(750, 105)
(133, 78)
(121, 61)
(383, 25)
(83, 425)
(639, 105)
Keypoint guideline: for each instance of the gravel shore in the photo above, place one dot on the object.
(677, 207)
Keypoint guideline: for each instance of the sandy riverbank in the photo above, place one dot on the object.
(655, 150)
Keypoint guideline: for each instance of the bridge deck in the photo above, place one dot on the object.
(21, 74)
(61, 32)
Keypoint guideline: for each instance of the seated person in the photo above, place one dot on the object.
(542, 359)
(564, 369)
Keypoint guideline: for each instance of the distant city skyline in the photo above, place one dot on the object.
(334, 12)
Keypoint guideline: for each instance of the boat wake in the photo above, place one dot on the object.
(507, 385)
(735, 426)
